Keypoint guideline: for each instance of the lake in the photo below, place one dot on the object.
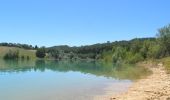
(63, 80)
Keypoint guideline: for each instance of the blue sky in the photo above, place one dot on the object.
(80, 22)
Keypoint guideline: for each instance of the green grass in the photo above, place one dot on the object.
(22, 52)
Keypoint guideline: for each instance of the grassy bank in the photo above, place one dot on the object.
(22, 52)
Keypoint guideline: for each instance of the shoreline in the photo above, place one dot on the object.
(154, 87)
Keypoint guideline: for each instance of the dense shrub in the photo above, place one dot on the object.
(12, 55)
(40, 53)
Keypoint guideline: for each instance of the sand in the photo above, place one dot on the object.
(154, 87)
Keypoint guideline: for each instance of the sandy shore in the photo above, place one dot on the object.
(154, 87)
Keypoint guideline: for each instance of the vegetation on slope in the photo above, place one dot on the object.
(104, 51)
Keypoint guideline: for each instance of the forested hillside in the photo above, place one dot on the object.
(105, 51)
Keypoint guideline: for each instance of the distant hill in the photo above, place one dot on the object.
(99, 47)
(22, 52)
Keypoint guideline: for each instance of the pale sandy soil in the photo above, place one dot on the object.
(153, 87)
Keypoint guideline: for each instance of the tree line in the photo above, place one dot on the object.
(18, 45)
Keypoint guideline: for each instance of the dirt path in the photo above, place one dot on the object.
(154, 87)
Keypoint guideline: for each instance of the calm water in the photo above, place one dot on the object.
(52, 80)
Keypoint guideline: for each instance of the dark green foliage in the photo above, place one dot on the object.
(36, 47)
(40, 53)
(12, 55)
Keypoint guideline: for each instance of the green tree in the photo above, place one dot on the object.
(40, 53)
(118, 54)
(164, 39)
(36, 47)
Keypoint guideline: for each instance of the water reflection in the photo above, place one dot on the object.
(96, 68)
